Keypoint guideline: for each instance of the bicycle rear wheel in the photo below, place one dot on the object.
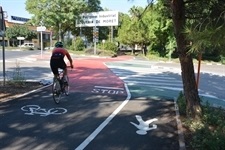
(56, 91)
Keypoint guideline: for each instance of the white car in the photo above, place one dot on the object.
(27, 45)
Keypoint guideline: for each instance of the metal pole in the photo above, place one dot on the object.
(60, 32)
(50, 39)
(111, 33)
(199, 66)
(3, 45)
(3, 56)
(41, 44)
(94, 30)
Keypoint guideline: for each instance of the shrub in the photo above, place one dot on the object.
(17, 78)
(208, 132)
(110, 46)
(78, 44)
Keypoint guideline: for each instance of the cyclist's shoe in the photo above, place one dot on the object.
(66, 90)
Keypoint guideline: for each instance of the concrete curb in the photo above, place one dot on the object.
(179, 128)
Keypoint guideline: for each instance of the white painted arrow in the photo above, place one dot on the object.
(143, 126)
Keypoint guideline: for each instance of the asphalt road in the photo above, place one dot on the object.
(99, 114)
(12, 54)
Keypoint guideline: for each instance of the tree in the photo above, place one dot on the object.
(60, 15)
(207, 33)
(178, 14)
(160, 29)
(150, 27)
(19, 31)
(198, 15)
(132, 30)
(187, 68)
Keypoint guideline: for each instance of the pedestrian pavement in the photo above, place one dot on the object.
(158, 79)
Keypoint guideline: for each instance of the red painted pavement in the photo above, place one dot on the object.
(91, 72)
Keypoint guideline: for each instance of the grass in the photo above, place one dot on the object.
(17, 77)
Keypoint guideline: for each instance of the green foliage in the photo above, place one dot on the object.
(110, 46)
(20, 31)
(78, 44)
(207, 32)
(211, 134)
(67, 43)
(17, 77)
(150, 27)
(209, 131)
(60, 15)
(222, 59)
(181, 102)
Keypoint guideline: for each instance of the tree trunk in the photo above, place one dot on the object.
(193, 108)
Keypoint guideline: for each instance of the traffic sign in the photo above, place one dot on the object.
(41, 28)
(20, 38)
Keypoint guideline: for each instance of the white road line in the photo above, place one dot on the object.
(104, 123)
(136, 72)
(151, 79)
(152, 76)
(7, 61)
(150, 83)
(105, 87)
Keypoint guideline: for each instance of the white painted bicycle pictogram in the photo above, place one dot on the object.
(37, 110)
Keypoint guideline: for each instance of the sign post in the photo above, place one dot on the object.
(95, 19)
(2, 34)
(95, 38)
(41, 29)
(20, 38)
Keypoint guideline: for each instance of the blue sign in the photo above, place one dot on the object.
(19, 19)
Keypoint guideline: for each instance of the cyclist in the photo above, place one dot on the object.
(57, 60)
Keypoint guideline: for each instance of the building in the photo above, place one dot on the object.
(15, 20)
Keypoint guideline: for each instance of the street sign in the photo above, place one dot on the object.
(20, 38)
(41, 28)
(101, 18)
(95, 34)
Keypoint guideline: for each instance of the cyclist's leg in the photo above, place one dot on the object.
(65, 78)
(54, 67)
(63, 66)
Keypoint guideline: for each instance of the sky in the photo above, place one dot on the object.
(17, 7)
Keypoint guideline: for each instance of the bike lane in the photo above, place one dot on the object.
(35, 122)
(138, 123)
(96, 115)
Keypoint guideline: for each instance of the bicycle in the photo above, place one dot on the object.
(60, 86)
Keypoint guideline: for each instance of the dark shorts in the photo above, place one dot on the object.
(56, 64)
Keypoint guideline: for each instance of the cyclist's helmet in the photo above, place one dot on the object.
(59, 44)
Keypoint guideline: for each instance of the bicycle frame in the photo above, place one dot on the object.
(59, 87)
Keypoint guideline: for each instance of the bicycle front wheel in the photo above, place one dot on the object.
(56, 91)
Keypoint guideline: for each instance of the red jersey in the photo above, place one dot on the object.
(60, 53)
